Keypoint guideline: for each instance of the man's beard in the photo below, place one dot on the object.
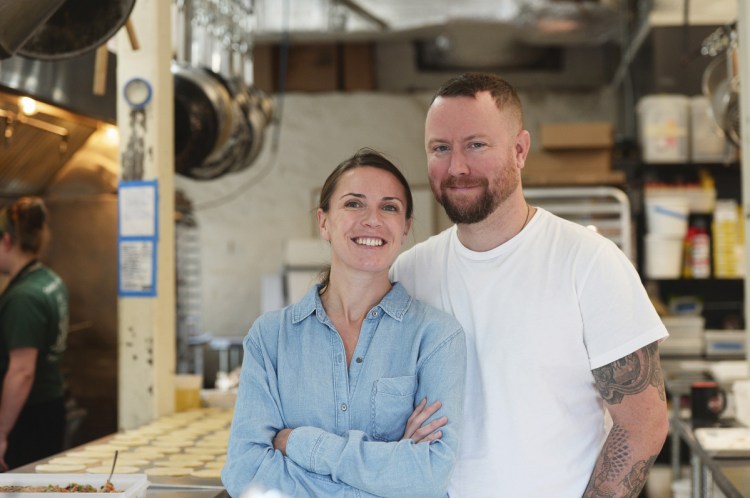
(468, 211)
(479, 209)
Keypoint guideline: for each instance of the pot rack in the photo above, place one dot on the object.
(227, 115)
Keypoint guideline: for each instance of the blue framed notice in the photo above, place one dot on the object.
(138, 236)
(136, 260)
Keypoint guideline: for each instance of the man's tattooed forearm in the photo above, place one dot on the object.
(611, 477)
(631, 375)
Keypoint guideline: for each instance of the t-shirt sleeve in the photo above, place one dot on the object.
(618, 316)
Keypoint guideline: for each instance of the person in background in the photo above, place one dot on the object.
(559, 328)
(33, 333)
(357, 389)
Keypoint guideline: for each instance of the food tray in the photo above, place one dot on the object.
(725, 442)
(132, 485)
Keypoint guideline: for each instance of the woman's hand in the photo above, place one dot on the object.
(280, 439)
(414, 429)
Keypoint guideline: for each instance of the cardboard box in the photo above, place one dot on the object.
(319, 67)
(313, 68)
(570, 161)
(358, 67)
(571, 167)
(577, 135)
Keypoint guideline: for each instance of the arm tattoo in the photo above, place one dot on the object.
(612, 470)
(631, 375)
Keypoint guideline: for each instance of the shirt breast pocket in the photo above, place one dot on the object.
(392, 403)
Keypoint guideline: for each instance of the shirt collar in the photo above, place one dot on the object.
(394, 303)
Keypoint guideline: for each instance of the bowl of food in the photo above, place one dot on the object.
(60, 485)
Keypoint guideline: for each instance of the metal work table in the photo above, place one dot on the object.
(731, 475)
(159, 487)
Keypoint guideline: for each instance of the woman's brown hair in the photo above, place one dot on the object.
(25, 221)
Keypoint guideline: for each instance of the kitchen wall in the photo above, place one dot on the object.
(244, 239)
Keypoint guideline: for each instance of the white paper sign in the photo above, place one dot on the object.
(137, 209)
(136, 259)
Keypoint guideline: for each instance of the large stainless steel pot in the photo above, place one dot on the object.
(77, 27)
(19, 20)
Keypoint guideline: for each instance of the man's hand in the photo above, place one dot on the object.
(414, 429)
(279, 441)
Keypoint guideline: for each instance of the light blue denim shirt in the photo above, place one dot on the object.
(347, 421)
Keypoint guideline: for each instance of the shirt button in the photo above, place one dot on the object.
(344, 407)
(359, 360)
(373, 314)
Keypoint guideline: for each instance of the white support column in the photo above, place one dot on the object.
(147, 324)
(743, 28)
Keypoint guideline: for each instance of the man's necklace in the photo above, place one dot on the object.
(526, 221)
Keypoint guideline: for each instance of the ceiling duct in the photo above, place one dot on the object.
(537, 43)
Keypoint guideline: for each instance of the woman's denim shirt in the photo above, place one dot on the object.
(347, 421)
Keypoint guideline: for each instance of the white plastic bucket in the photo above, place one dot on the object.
(663, 255)
(667, 215)
(664, 128)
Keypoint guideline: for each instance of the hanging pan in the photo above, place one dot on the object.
(203, 120)
(76, 28)
(19, 20)
(721, 86)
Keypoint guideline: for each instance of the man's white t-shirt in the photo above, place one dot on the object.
(540, 312)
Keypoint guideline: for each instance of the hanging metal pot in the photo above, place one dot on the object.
(721, 86)
(203, 121)
(77, 27)
(19, 20)
(256, 111)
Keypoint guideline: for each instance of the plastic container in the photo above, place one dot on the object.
(667, 215)
(187, 392)
(663, 255)
(727, 240)
(697, 258)
(725, 342)
(132, 485)
(664, 128)
(684, 326)
(700, 199)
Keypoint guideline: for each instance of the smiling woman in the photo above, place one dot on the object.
(356, 380)
(369, 194)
